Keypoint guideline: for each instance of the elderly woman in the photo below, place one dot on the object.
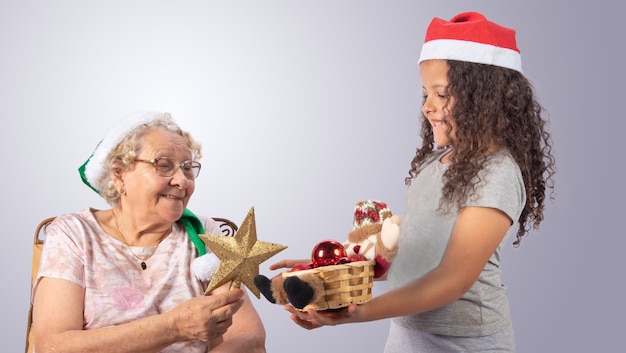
(120, 279)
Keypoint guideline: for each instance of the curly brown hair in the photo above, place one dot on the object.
(493, 106)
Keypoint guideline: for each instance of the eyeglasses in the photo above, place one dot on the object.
(166, 167)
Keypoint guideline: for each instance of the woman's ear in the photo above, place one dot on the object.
(118, 181)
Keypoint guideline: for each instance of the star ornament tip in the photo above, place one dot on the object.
(240, 255)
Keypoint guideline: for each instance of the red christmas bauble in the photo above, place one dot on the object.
(357, 257)
(327, 252)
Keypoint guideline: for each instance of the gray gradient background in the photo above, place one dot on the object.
(304, 108)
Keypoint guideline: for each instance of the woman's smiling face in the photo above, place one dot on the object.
(162, 198)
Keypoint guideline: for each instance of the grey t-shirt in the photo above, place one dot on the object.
(483, 309)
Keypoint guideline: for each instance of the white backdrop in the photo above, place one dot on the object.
(304, 108)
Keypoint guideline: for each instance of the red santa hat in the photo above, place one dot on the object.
(469, 36)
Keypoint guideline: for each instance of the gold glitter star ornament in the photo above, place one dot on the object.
(240, 255)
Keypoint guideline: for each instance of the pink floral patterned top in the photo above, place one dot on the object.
(117, 290)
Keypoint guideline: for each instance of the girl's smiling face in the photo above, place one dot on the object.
(436, 100)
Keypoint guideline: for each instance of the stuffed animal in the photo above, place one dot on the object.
(374, 238)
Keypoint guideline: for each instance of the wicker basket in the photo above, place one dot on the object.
(344, 284)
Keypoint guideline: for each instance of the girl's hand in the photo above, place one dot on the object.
(312, 319)
(288, 263)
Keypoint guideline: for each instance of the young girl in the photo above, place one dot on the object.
(479, 178)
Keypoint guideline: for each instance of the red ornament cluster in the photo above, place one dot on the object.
(328, 253)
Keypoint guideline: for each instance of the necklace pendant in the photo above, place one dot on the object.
(143, 265)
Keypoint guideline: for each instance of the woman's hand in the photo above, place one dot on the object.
(205, 318)
(312, 319)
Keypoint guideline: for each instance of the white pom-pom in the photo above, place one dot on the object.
(390, 233)
(204, 267)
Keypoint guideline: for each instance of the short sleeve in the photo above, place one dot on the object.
(501, 186)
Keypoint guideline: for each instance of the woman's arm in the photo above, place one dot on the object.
(58, 322)
(247, 333)
(477, 233)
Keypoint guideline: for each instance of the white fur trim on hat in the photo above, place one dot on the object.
(93, 168)
(481, 53)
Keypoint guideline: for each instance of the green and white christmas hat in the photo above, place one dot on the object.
(93, 167)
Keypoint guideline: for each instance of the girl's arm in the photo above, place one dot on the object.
(477, 233)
